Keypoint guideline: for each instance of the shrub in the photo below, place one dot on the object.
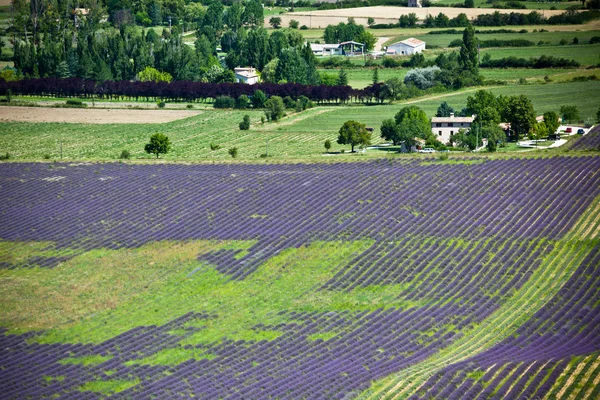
(125, 155)
(5, 156)
(443, 156)
(233, 152)
(423, 78)
(389, 62)
(242, 102)
(224, 102)
(75, 103)
(161, 104)
(190, 106)
(327, 145)
(214, 146)
(304, 28)
(46, 156)
(289, 102)
(245, 124)
(259, 98)
(275, 109)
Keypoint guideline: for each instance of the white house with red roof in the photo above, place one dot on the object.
(406, 47)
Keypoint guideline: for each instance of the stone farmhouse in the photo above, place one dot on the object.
(445, 127)
(406, 47)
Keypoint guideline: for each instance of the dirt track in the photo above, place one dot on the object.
(91, 116)
(385, 14)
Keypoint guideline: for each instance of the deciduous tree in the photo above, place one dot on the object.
(354, 133)
(159, 144)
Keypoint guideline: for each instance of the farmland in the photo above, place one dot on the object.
(299, 135)
(306, 280)
(253, 263)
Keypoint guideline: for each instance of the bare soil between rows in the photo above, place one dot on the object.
(91, 116)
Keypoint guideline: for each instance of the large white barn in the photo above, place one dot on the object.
(406, 47)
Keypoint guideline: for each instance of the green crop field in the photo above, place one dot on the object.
(297, 136)
(361, 77)
(551, 38)
(584, 54)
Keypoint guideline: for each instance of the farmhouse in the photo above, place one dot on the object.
(246, 75)
(445, 127)
(406, 47)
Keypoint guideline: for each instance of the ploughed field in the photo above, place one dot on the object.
(472, 278)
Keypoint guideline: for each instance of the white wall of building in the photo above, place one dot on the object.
(404, 49)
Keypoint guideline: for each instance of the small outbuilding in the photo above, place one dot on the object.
(406, 47)
(414, 3)
(246, 75)
(326, 49)
(445, 127)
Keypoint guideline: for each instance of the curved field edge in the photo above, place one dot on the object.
(556, 269)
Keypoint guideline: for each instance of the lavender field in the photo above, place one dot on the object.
(471, 278)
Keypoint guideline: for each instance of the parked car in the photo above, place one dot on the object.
(427, 150)
(580, 131)
(569, 130)
(554, 136)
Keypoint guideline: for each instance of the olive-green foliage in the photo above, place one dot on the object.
(494, 134)
(224, 102)
(259, 99)
(468, 60)
(551, 120)
(150, 74)
(354, 133)
(233, 152)
(245, 124)
(274, 108)
(159, 144)
(569, 113)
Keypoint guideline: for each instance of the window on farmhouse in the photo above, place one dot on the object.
(450, 124)
(438, 124)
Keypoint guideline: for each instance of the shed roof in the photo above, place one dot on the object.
(452, 119)
(352, 42)
(412, 42)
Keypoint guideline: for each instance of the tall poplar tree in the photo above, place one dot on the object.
(468, 59)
